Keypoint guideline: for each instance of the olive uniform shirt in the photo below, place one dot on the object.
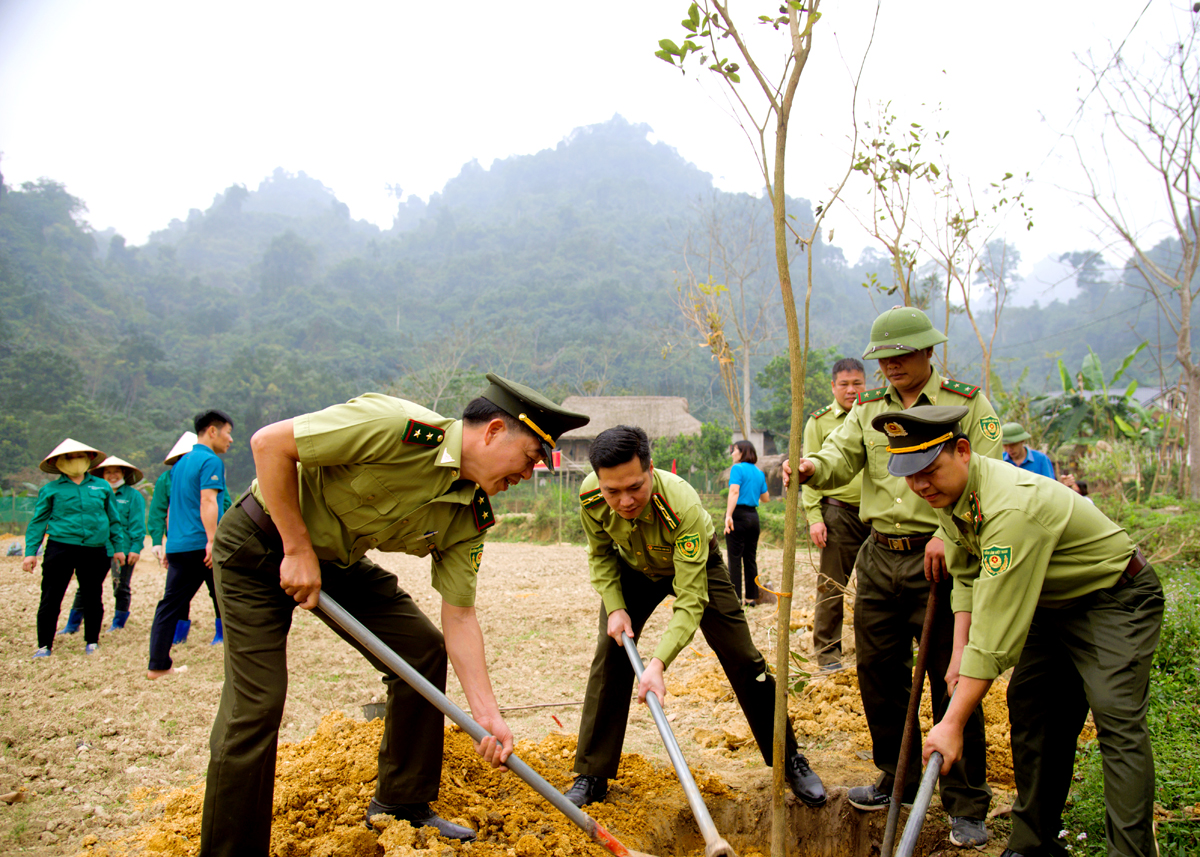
(820, 425)
(380, 473)
(887, 503)
(670, 537)
(1019, 541)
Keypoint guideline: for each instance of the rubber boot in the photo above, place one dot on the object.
(74, 619)
(119, 619)
(219, 637)
(181, 631)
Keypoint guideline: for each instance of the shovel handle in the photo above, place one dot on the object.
(703, 819)
(916, 817)
(342, 618)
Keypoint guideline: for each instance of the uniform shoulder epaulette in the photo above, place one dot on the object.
(664, 511)
(964, 390)
(818, 414)
(482, 507)
(872, 395)
(588, 499)
(423, 434)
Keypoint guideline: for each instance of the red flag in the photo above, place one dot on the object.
(673, 460)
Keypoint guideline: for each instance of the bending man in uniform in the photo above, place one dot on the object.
(373, 473)
(904, 549)
(1043, 581)
(649, 537)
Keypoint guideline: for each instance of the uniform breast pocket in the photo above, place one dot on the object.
(877, 454)
(360, 501)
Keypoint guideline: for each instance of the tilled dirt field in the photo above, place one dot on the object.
(97, 758)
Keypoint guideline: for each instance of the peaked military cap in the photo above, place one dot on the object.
(1014, 433)
(916, 436)
(538, 414)
(901, 330)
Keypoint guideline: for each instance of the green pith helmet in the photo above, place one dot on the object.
(899, 331)
(1014, 433)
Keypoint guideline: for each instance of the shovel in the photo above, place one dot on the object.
(714, 845)
(422, 685)
(916, 817)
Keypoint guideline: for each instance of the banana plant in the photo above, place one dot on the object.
(1089, 407)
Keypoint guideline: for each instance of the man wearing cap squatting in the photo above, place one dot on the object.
(1043, 581)
(1013, 436)
(375, 473)
(896, 563)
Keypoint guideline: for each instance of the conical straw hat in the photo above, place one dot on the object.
(131, 478)
(68, 445)
(182, 447)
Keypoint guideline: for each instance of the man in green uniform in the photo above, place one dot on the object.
(1043, 581)
(649, 537)
(833, 522)
(374, 473)
(895, 565)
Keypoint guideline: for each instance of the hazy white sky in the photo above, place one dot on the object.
(147, 109)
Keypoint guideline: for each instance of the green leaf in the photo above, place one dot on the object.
(1093, 372)
(733, 77)
(669, 46)
(1065, 377)
(1128, 430)
(1128, 359)
(665, 57)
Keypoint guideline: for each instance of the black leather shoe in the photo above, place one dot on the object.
(587, 789)
(805, 784)
(420, 815)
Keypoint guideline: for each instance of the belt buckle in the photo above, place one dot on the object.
(900, 544)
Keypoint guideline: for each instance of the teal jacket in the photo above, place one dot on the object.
(131, 506)
(85, 514)
(157, 522)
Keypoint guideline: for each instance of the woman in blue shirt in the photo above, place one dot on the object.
(747, 488)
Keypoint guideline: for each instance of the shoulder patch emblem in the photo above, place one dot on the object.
(482, 507)
(995, 560)
(588, 499)
(872, 395)
(818, 414)
(688, 546)
(664, 511)
(422, 434)
(476, 557)
(990, 426)
(964, 390)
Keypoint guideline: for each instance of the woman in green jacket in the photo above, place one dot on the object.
(78, 513)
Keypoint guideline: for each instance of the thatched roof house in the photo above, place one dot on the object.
(658, 416)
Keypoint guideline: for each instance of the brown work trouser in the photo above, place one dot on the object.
(844, 535)
(257, 614)
(889, 610)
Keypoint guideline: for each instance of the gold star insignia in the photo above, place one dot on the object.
(486, 515)
(480, 501)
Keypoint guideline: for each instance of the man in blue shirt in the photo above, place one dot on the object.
(197, 495)
(1013, 436)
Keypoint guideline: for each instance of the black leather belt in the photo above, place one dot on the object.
(830, 501)
(259, 516)
(902, 543)
(1136, 563)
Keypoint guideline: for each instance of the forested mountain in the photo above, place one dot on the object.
(560, 269)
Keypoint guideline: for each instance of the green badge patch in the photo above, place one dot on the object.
(689, 546)
(422, 434)
(664, 511)
(482, 507)
(995, 560)
(990, 426)
(476, 557)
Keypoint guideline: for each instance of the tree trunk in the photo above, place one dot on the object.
(1193, 432)
(746, 397)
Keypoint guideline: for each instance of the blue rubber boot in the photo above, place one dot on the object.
(119, 620)
(219, 637)
(74, 619)
(181, 631)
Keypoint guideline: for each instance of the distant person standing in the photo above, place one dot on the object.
(833, 522)
(78, 514)
(157, 522)
(197, 494)
(747, 488)
(121, 476)
(1013, 436)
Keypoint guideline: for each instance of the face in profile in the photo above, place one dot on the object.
(511, 455)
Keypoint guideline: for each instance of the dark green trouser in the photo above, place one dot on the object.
(257, 614)
(606, 703)
(844, 535)
(889, 610)
(1095, 653)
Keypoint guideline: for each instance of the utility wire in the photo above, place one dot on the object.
(1059, 333)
